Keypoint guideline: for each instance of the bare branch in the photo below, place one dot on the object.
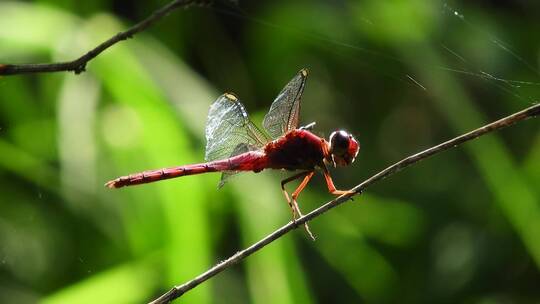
(178, 291)
(79, 65)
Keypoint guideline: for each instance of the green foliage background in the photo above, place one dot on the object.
(400, 75)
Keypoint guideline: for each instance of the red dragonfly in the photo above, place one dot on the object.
(234, 144)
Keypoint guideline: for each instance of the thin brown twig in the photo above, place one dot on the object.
(79, 65)
(178, 291)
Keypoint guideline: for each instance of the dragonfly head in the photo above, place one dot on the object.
(343, 148)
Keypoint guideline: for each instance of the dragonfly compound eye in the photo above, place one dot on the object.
(343, 148)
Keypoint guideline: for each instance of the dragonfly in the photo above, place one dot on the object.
(235, 144)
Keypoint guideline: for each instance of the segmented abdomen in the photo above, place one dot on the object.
(249, 161)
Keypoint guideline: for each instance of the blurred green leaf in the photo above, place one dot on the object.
(345, 247)
(532, 162)
(390, 221)
(26, 165)
(396, 21)
(45, 37)
(129, 283)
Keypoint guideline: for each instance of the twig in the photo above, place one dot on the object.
(178, 291)
(79, 65)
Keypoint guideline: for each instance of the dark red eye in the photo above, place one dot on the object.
(339, 143)
(343, 148)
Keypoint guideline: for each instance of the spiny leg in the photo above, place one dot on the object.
(292, 203)
(330, 184)
(288, 180)
(295, 204)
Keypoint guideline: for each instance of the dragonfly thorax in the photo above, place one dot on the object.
(343, 148)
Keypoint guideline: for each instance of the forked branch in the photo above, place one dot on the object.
(178, 291)
(79, 65)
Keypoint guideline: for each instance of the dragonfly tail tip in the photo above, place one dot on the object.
(111, 184)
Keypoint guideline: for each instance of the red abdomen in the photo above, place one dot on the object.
(296, 150)
(250, 161)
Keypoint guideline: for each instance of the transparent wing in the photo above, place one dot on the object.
(283, 114)
(228, 128)
(226, 175)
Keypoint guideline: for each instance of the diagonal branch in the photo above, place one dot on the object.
(79, 65)
(178, 291)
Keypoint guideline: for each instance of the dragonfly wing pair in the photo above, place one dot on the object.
(230, 132)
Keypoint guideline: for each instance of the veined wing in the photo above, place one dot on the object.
(228, 128)
(283, 114)
(226, 175)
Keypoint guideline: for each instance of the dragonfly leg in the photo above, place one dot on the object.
(330, 184)
(292, 203)
(295, 194)
(288, 180)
